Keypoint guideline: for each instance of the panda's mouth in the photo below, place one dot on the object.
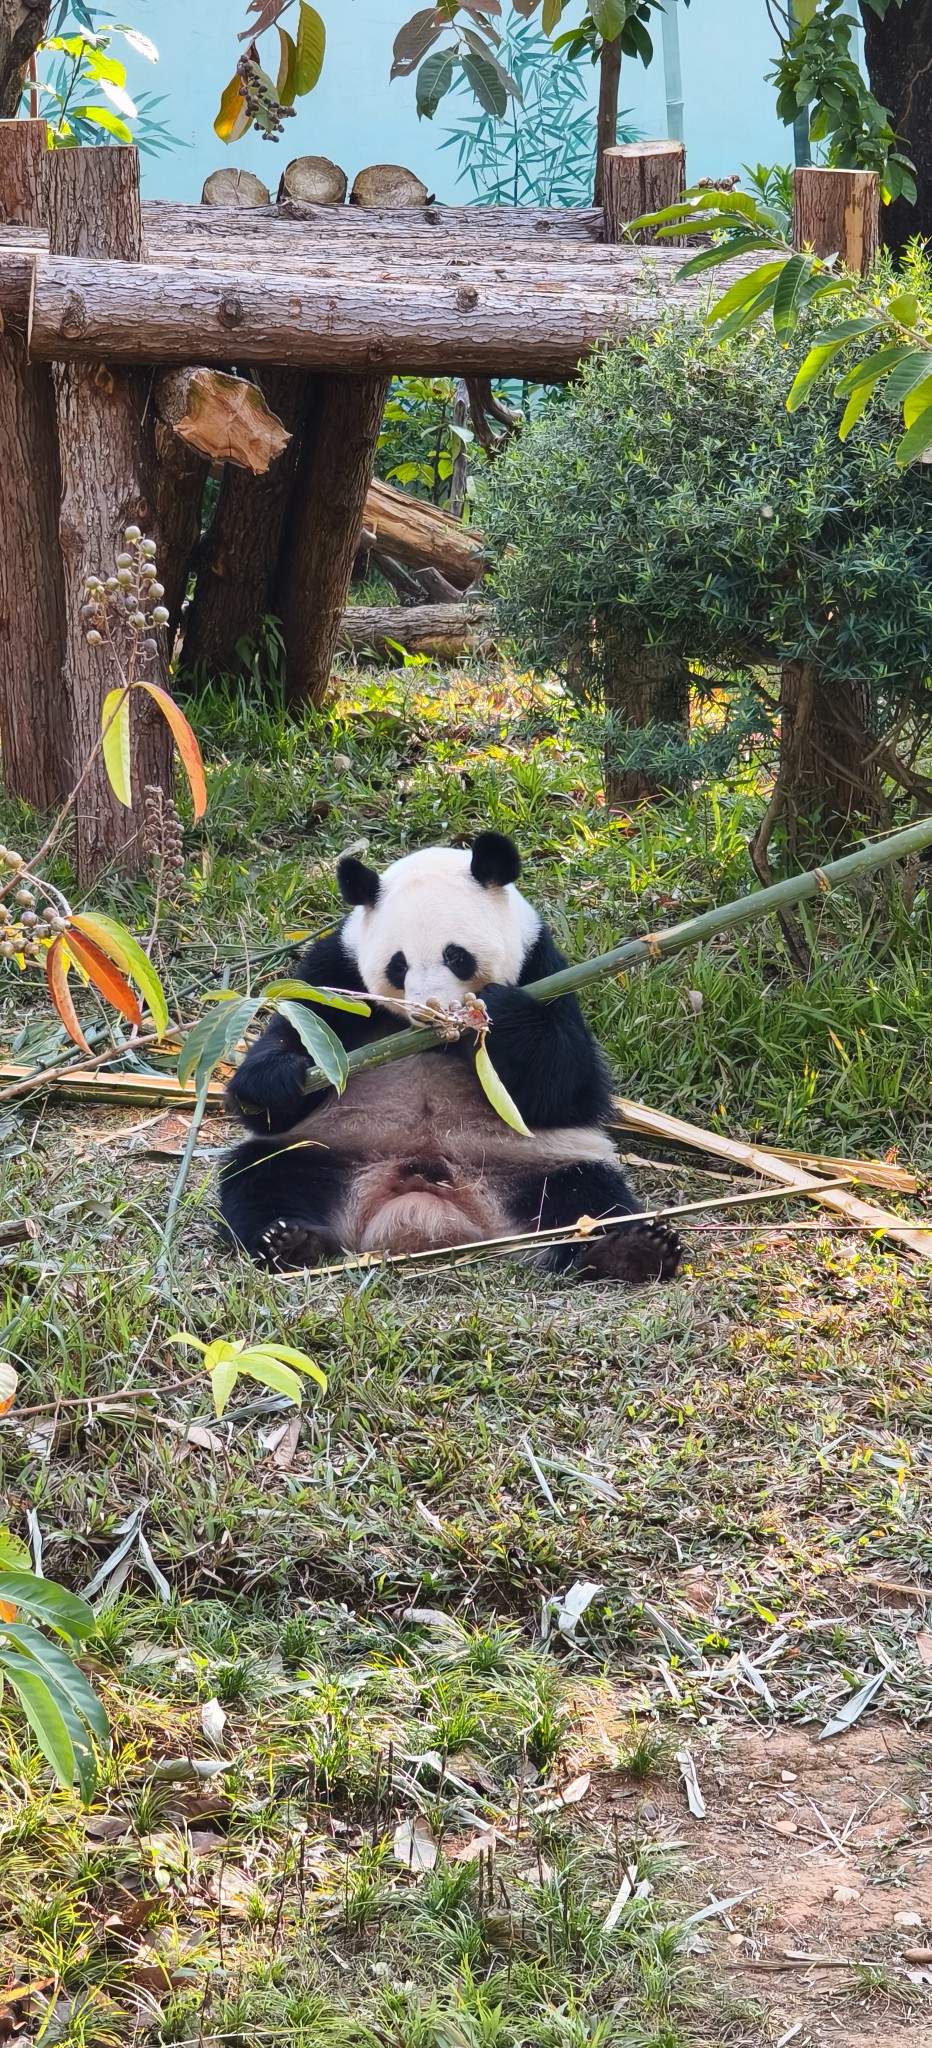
(427, 1176)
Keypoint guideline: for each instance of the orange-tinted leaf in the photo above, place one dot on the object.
(105, 977)
(56, 974)
(185, 742)
(7, 1611)
(233, 118)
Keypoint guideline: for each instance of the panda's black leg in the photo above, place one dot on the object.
(633, 1254)
(278, 1201)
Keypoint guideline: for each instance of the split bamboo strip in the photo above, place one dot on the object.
(867, 1215)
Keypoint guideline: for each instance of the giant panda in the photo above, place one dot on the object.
(412, 1156)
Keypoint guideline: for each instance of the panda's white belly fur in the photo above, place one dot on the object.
(427, 1159)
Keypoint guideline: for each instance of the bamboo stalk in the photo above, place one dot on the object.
(867, 1215)
(671, 939)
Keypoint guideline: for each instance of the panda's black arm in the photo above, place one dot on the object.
(267, 1091)
(545, 1053)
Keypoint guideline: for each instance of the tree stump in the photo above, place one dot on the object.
(229, 187)
(837, 213)
(640, 177)
(388, 186)
(34, 718)
(313, 181)
(108, 482)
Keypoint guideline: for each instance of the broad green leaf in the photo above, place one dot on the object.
(486, 84)
(120, 946)
(434, 80)
(104, 117)
(114, 719)
(610, 17)
(233, 118)
(744, 316)
(322, 1043)
(44, 1716)
(185, 742)
(213, 1039)
(14, 1553)
(302, 991)
(497, 1092)
(414, 40)
(59, 1670)
(221, 1352)
(917, 402)
(63, 1611)
(299, 1359)
(270, 1373)
(875, 368)
(847, 330)
(786, 304)
(815, 362)
(914, 370)
(711, 259)
(311, 43)
(857, 404)
(222, 1381)
(184, 1337)
(120, 98)
(915, 441)
(745, 288)
(904, 308)
(552, 14)
(285, 82)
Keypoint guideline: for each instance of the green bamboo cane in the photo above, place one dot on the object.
(671, 939)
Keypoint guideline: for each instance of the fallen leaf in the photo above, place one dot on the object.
(414, 1845)
(478, 1845)
(286, 1443)
(694, 1798)
(564, 1611)
(569, 1795)
(924, 1649)
(853, 1708)
(232, 1890)
(213, 1721)
(9, 1381)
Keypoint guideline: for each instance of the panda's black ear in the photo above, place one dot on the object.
(495, 860)
(358, 884)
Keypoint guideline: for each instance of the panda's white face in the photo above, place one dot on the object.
(435, 933)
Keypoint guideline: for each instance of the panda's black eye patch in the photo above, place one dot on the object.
(460, 962)
(396, 970)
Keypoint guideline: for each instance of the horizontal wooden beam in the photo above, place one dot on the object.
(163, 221)
(142, 313)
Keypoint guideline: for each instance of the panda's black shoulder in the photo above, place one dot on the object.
(328, 963)
(544, 958)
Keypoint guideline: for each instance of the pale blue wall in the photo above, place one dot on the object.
(358, 118)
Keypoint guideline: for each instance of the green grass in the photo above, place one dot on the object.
(768, 1420)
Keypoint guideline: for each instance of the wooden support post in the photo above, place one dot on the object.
(108, 482)
(640, 177)
(837, 213)
(323, 528)
(35, 732)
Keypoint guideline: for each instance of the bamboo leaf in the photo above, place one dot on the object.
(322, 1043)
(213, 1039)
(497, 1092)
(115, 728)
(56, 975)
(302, 992)
(185, 742)
(311, 47)
(102, 973)
(233, 118)
(120, 946)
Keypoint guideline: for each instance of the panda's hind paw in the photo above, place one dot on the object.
(635, 1254)
(287, 1245)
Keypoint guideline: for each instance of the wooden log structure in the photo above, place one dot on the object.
(444, 631)
(34, 719)
(640, 177)
(837, 213)
(418, 533)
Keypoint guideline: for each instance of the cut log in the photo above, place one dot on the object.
(235, 580)
(387, 186)
(108, 482)
(35, 732)
(313, 181)
(166, 221)
(181, 477)
(444, 631)
(229, 187)
(324, 522)
(640, 177)
(418, 533)
(837, 213)
(226, 418)
(143, 314)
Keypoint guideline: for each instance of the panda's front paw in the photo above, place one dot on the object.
(635, 1254)
(268, 1093)
(286, 1246)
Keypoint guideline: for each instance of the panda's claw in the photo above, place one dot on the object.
(286, 1245)
(634, 1255)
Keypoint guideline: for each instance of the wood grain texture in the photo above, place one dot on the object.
(442, 630)
(837, 213)
(34, 718)
(416, 532)
(108, 482)
(640, 177)
(325, 516)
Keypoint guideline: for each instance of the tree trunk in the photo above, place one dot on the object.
(897, 50)
(324, 521)
(607, 122)
(643, 687)
(34, 718)
(416, 532)
(640, 177)
(181, 478)
(23, 24)
(234, 588)
(830, 785)
(444, 631)
(108, 482)
(837, 213)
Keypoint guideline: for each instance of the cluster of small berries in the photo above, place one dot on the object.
(162, 834)
(21, 924)
(131, 597)
(261, 100)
